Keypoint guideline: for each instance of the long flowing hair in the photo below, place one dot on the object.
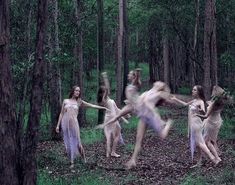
(201, 94)
(72, 92)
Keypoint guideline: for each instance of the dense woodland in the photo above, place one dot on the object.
(47, 46)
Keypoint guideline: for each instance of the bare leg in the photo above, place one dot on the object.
(115, 141)
(207, 151)
(212, 149)
(166, 129)
(139, 138)
(125, 110)
(108, 142)
(199, 162)
(217, 148)
(82, 152)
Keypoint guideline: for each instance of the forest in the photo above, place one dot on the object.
(49, 46)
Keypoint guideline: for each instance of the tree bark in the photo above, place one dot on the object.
(29, 163)
(120, 53)
(210, 50)
(79, 58)
(125, 48)
(8, 148)
(54, 71)
(166, 59)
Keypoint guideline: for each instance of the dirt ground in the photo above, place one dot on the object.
(160, 162)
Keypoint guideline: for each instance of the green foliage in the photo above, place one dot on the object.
(91, 135)
(184, 90)
(227, 129)
(227, 59)
(192, 180)
(87, 178)
(181, 126)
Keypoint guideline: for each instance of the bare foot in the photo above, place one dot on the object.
(199, 164)
(217, 161)
(71, 166)
(107, 155)
(113, 154)
(130, 164)
(166, 129)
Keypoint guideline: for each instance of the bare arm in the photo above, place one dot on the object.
(106, 82)
(209, 111)
(118, 111)
(60, 117)
(181, 102)
(125, 110)
(86, 104)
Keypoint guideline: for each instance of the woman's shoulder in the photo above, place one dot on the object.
(65, 101)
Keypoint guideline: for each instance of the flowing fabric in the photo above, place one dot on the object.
(71, 131)
(113, 111)
(121, 140)
(152, 119)
(212, 126)
(192, 143)
(196, 127)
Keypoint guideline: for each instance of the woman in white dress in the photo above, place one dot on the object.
(69, 123)
(112, 131)
(195, 123)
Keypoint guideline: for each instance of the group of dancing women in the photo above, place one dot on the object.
(203, 123)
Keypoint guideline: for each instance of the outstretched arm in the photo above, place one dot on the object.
(106, 82)
(125, 110)
(181, 102)
(86, 104)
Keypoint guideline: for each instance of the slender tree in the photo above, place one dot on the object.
(29, 161)
(79, 57)
(125, 47)
(120, 53)
(210, 50)
(54, 70)
(100, 44)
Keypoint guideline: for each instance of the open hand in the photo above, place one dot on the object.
(57, 129)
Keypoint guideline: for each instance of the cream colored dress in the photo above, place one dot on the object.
(212, 125)
(70, 128)
(196, 127)
(113, 111)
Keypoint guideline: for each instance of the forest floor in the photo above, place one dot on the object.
(160, 162)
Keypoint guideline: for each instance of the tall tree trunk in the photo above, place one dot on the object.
(125, 48)
(193, 64)
(166, 59)
(100, 44)
(210, 51)
(22, 100)
(120, 53)
(8, 127)
(152, 55)
(54, 71)
(79, 58)
(30, 169)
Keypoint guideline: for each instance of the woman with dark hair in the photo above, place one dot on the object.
(195, 125)
(112, 131)
(69, 123)
(213, 120)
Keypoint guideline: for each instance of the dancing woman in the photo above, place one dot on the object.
(213, 120)
(112, 131)
(69, 123)
(196, 106)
